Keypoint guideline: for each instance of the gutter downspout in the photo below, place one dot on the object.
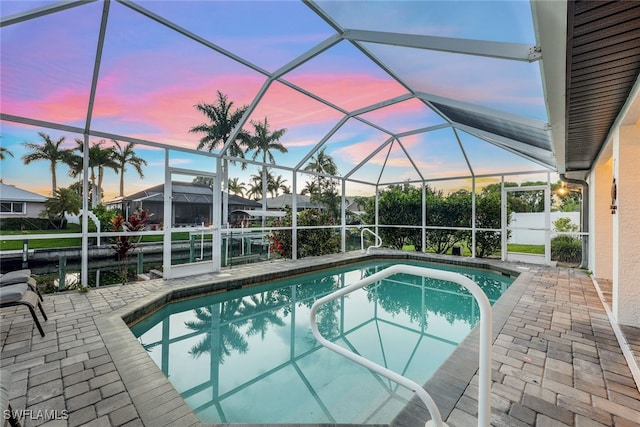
(584, 217)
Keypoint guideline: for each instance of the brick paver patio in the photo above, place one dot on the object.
(556, 359)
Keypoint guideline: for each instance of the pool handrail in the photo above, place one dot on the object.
(378, 240)
(484, 368)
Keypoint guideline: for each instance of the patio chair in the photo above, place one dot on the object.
(21, 294)
(20, 276)
(5, 406)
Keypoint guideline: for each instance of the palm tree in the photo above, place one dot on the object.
(322, 163)
(49, 151)
(64, 200)
(327, 194)
(4, 151)
(264, 142)
(276, 184)
(99, 158)
(311, 187)
(237, 187)
(255, 188)
(125, 155)
(222, 122)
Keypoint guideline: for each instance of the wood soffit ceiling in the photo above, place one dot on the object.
(603, 64)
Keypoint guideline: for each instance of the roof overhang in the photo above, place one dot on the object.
(260, 213)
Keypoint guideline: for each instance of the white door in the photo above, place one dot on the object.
(526, 236)
(192, 242)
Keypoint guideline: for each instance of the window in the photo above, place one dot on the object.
(12, 207)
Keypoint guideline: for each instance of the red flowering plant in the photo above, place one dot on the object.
(124, 246)
(275, 245)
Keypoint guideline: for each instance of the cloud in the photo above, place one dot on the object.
(349, 90)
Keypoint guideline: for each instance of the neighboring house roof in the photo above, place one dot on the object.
(303, 202)
(183, 192)
(11, 193)
(260, 213)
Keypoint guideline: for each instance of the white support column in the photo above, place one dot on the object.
(166, 214)
(84, 262)
(294, 217)
(225, 192)
(626, 232)
(424, 216)
(218, 218)
(343, 216)
(547, 223)
(503, 218)
(473, 216)
(377, 217)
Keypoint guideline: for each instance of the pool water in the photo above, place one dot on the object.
(249, 356)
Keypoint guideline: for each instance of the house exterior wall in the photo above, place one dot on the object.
(31, 210)
(626, 235)
(34, 209)
(601, 219)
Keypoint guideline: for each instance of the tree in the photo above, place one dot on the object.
(64, 200)
(49, 151)
(276, 184)
(222, 122)
(311, 187)
(126, 156)
(398, 205)
(255, 187)
(488, 215)
(100, 158)
(310, 242)
(322, 163)
(327, 193)
(264, 142)
(236, 187)
(205, 181)
(5, 152)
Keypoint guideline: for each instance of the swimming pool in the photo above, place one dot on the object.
(248, 356)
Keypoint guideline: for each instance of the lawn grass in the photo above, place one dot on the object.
(526, 249)
(12, 245)
(7, 245)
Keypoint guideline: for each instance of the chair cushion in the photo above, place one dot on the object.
(12, 293)
(18, 276)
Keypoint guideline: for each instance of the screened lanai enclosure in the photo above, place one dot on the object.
(433, 125)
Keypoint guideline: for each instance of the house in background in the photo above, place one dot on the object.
(192, 204)
(18, 203)
(302, 202)
(354, 205)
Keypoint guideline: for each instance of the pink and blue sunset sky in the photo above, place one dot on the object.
(151, 77)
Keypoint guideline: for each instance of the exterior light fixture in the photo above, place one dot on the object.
(562, 191)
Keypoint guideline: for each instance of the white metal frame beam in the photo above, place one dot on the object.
(501, 50)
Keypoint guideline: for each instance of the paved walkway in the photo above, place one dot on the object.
(556, 358)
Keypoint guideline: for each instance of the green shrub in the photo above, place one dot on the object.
(566, 249)
(311, 242)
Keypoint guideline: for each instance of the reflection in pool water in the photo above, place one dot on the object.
(248, 356)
